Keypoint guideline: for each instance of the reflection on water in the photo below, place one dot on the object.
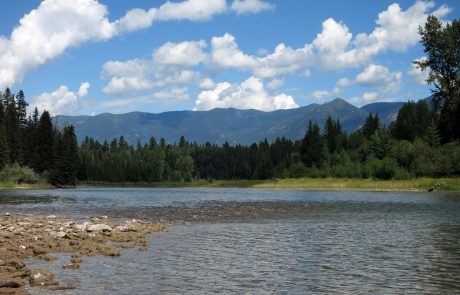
(271, 242)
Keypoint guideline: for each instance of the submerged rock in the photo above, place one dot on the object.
(67, 286)
(71, 266)
(41, 277)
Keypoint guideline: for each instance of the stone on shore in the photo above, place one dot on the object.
(99, 228)
(24, 236)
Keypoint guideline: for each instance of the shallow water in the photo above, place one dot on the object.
(265, 241)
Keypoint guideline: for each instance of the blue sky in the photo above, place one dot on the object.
(89, 57)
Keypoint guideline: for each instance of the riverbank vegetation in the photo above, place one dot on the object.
(329, 183)
(423, 141)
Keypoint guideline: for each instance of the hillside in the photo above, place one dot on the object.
(219, 125)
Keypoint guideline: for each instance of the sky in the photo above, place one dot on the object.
(86, 57)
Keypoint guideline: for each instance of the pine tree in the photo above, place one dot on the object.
(24, 136)
(371, 125)
(11, 126)
(333, 134)
(313, 147)
(64, 170)
(21, 109)
(3, 150)
(432, 136)
(45, 142)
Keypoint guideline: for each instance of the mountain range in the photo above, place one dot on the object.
(234, 126)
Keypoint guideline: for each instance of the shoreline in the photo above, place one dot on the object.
(26, 235)
(323, 184)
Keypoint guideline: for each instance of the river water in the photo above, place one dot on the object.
(249, 241)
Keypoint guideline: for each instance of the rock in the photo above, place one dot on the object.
(51, 217)
(82, 227)
(67, 286)
(126, 228)
(94, 219)
(71, 266)
(38, 251)
(41, 277)
(46, 257)
(128, 245)
(59, 235)
(7, 214)
(99, 228)
(75, 259)
(2, 262)
(11, 283)
(16, 263)
(110, 251)
(106, 233)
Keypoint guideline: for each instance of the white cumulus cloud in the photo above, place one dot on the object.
(188, 53)
(320, 95)
(226, 54)
(47, 31)
(193, 10)
(62, 101)
(418, 76)
(171, 64)
(207, 83)
(378, 75)
(340, 85)
(251, 6)
(250, 94)
(136, 19)
(83, 90)
(56, 25)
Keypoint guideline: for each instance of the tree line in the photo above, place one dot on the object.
(408, 148)
(31, 147)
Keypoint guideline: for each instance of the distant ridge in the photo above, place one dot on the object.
(218, 126)
(387, 111)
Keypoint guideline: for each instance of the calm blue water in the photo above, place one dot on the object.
(247, 241)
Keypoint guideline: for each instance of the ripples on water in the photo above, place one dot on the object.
(273, 242)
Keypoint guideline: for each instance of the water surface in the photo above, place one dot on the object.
(265, 241)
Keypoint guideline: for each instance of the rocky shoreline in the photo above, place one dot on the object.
(24, 235)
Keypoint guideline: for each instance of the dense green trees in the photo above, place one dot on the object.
(313, 147)
(32, 141)
(378, 155)
(442, 61)
(414, 120)
(410, 147)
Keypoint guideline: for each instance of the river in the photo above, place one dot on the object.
(250, 241)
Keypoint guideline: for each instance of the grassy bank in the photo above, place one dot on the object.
(417, 184)
(12, 185)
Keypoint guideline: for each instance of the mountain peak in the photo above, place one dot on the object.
(338, 100)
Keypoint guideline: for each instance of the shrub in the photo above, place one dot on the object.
(14, 173)
(386, 168)
(297, 170)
